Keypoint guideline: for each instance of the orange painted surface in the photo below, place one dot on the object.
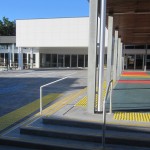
(135, 73)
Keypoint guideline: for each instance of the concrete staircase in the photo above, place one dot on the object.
(64, 134)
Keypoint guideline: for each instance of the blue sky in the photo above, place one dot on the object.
(29, 9)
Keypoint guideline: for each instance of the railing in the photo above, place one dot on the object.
(41, 87)
(109, 89)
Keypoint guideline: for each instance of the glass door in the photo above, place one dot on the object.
(60, 60)
(130, 61)
(148, 62)
(139, 62)
(74, 61)
(67, 60)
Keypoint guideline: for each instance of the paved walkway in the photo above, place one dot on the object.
(131, 104)
(129, 96)
(20, 91)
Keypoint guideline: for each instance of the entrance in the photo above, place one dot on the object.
(60, 60)
(139, 62)
(74, 61)
(130, 61)
(148, 62)
(67, 60)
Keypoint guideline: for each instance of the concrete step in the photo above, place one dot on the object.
(64, 132)
(36, 142)
(4, 147)
(90, 135)
(115, 134)
(93, 125)
(71, 123)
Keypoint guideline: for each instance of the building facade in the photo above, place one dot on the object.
(9, 54)
(137, 57)
(59, 43)
(42, 57)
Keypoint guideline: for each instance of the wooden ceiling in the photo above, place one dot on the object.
(131, 19)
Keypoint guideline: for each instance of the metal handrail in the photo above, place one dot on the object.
(41, 87)
(109, 88)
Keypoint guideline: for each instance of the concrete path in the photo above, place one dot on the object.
(20, 91)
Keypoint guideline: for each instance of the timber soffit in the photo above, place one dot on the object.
(131, 19)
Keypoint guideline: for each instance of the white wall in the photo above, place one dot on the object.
(61, 32)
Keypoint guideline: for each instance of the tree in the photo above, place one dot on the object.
(7, 28)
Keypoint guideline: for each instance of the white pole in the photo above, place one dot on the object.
(13, 53)
(31, 57)
(20, 58)
(92, 48)
(40, 100)
(115, 57)
(110, 109)
(104, 124)
(101, 53)
(4, 60)
(109, 48)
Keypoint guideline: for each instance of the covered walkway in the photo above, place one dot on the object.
(128, 23)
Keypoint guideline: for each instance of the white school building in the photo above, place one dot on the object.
(59, 43)
(47, 43)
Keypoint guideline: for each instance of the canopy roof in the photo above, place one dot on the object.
(131, 19)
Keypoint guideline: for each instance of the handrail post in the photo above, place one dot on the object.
(40, 100)
(104, 111)
(110, 109)
(104, 125)
(41, 104)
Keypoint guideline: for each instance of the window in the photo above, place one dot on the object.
(80, 60)
(74, 61)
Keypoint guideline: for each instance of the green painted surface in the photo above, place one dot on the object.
(129, 96)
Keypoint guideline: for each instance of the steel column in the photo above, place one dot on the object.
(31, 57)
(134, 61)
(9, 56)
(115, 56)
(121, 58)
(92, 54)
(101, 52)
(145, 66)
(109, 49)
(20, 58)
(13, 53)
(118, 59)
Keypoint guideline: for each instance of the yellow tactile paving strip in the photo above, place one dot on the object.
(83, 101)
(132, 116)
(60, 104)
(16, 115)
